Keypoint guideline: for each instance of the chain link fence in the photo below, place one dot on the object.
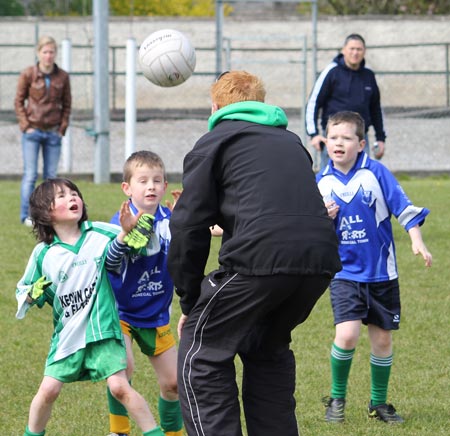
(414, 80)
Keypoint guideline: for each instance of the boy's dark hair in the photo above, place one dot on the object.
(41, 202)
(354, 37)
(139, 158)
(350, 118)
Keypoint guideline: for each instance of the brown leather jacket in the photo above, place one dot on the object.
(46, 109)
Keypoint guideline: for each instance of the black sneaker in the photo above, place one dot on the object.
(385, 413)
(335, 409)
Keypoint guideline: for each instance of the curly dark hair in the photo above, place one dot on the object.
(41, 202)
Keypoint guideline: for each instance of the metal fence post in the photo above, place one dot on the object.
(66, 146)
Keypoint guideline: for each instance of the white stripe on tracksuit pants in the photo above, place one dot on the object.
(251, 316)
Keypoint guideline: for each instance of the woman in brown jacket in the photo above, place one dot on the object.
(43, 102)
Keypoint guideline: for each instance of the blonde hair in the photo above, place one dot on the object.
(140, 158)
(235, 86)
(46, 40)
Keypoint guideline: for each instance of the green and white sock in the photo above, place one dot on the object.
(341, 362)
(380, 368)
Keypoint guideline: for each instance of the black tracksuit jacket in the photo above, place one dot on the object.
(256, 182)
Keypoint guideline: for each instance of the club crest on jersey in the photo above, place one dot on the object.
(62, 277)
(367, 197)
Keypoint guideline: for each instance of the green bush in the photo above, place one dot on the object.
(177, 8)
(10, 8)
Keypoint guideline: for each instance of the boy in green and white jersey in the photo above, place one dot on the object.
(66, 270)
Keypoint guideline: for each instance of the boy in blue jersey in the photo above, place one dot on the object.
(361, 195)
(66, 270)
(144, 291)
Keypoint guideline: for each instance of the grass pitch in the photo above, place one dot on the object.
(419, 386)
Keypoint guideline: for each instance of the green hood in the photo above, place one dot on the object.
(252, 111)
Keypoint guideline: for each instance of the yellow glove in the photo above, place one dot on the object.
(139, 236)
(38, 287)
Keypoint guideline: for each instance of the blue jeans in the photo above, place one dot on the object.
(51, 150)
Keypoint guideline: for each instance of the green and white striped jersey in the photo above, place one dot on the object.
(84, 307)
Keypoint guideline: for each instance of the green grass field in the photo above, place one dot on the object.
(420, 376)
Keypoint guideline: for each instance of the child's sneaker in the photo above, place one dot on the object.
(384, 412)
(335, 409)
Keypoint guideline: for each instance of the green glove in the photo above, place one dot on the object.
(139, 236)
(37, 289)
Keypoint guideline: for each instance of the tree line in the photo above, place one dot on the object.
(206, 8)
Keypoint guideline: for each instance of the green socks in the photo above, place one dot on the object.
(341, 361)
(380, 368)
(170, 416)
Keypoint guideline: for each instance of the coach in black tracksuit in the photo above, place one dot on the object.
(279, 251)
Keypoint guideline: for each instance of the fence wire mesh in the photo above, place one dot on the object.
(414, 81)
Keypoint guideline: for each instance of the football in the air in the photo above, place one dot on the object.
(167, 58)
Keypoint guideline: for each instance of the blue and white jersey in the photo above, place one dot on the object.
(367, 197)
(141, 283)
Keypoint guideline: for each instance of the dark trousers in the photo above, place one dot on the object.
(251, 317)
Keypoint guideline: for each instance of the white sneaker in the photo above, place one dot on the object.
(28, 222)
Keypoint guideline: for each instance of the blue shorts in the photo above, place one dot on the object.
(372, 303)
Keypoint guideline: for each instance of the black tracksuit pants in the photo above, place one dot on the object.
(251, 317)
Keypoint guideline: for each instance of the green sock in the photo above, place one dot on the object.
(154, 432)
(341, 361)
(30, 433)
(380, 368)
(119, 422)
(170, 415)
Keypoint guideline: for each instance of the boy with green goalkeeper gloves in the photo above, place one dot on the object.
(137, 269)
